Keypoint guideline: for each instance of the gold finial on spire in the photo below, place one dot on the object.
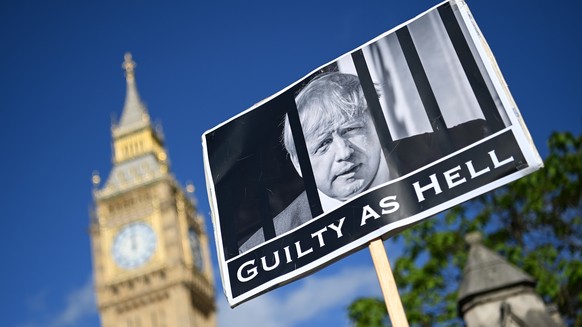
(129, 66)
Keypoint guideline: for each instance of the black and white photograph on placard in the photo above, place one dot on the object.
(405, 126)
(343, 150)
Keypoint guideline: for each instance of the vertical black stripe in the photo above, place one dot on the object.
(382, 129)
(266, 215)
(471, 68)
(264, 203)
(303, 156)
(424, 89)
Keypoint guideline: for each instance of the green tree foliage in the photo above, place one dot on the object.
(535, 222)
(368, 312)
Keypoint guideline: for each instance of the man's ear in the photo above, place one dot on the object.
(296, 165)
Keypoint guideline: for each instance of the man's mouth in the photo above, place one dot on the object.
(348, 172)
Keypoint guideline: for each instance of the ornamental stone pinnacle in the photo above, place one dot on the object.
(486, 272)
(474, 238)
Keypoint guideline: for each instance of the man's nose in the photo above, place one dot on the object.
(343, 149)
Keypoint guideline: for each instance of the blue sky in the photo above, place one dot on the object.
(199, 64)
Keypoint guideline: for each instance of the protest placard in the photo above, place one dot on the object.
(411, 123)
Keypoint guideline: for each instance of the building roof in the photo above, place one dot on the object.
(486, 271)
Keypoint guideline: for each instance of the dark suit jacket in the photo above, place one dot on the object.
(417, 151)
(294, 215)
(409, 154)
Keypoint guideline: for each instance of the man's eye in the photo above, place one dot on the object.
(322, 147)
(351, 129)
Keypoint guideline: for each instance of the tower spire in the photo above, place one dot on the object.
(134, 114)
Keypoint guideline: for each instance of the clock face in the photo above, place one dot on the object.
(134, 245)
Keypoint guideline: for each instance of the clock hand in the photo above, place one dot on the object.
(133, 242)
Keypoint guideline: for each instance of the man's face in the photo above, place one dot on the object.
(345, 157)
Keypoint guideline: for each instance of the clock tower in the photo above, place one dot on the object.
(150, 247)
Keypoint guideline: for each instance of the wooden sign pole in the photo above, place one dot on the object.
(387, 284)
